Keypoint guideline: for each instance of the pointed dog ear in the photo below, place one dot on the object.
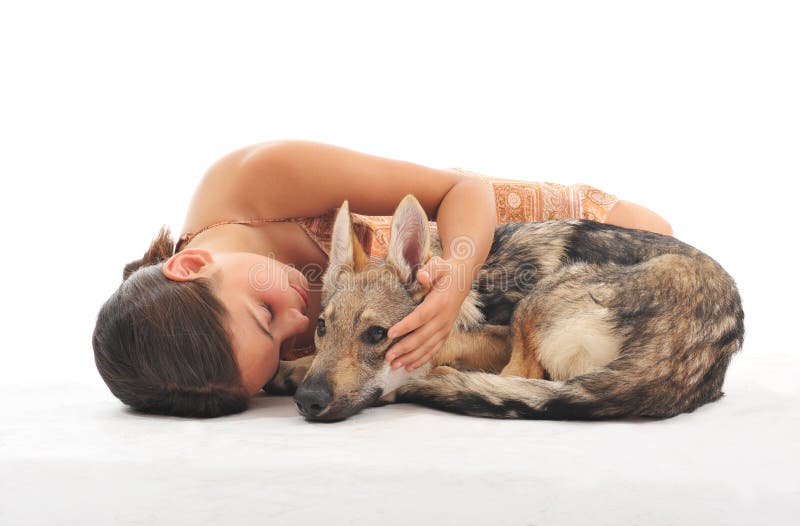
(346, 254)
(409, 242)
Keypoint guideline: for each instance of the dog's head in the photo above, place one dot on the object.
(359, 304)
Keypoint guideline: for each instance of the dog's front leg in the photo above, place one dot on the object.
(402, 393)
(289, 376)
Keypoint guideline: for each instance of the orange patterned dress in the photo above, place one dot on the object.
(515, 201)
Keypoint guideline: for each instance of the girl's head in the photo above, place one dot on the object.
(197, 333)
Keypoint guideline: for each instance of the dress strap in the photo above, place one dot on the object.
(188, 236)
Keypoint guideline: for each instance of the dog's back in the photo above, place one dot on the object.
(523, 254)
(621, 322)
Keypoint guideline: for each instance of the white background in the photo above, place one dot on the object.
(111, 112)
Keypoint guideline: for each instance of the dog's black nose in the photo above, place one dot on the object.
(312, 400)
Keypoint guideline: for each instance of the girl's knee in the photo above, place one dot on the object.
(631, 215)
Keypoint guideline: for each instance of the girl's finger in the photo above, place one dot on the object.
(437, 341)
(412, 349)
(426, 349)
(404, 346)
(417, 318)
(413, 357)
(424, 276)
(425, 358)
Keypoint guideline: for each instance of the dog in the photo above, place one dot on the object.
(568, 319)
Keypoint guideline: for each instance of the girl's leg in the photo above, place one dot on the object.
(631, 215)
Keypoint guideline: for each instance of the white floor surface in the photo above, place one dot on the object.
(71, 454)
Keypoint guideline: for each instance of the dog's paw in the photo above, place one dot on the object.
(386, 399)
(288, 377)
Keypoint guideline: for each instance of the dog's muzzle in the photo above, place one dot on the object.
(312, 400)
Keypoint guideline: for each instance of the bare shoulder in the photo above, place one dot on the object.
(221, 194)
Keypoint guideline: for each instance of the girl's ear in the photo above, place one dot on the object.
(409, 242)
(346, 254)
(187, 264)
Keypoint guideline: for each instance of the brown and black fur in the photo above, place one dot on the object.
(566, 320)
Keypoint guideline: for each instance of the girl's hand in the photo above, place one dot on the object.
(432, 320)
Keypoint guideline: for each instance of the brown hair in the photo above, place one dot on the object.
(162, 346)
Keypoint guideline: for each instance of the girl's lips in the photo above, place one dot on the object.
(303, 295)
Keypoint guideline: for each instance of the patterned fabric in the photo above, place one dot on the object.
(515, 201)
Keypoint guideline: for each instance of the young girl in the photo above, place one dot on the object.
(197, 327)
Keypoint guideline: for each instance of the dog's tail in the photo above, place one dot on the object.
(617, 390)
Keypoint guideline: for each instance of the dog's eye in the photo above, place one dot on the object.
(320, 327)
(374, 334)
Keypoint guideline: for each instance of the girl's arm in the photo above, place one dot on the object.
(303, 178)
(296, 178)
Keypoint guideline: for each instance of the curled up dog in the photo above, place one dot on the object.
(566, 320)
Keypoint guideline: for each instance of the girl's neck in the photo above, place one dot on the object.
(235, 238)
(285, 242)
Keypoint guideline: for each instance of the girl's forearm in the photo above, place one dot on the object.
(466, 222)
